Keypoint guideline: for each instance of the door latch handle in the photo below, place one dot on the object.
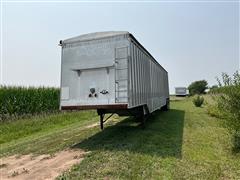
(104, 91)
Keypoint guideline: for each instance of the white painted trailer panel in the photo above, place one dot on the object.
(86, 65)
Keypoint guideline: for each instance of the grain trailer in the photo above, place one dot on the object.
(112, 73)
(181, 91)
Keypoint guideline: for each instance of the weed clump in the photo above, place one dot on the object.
(198, 101)
(228, 103)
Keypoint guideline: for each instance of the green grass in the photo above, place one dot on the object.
(183, 143)
(42, 134)
(13, 130)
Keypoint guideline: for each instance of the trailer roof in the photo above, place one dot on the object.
(105, 34)
(95, 35)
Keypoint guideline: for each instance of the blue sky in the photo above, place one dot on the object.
(192, 41)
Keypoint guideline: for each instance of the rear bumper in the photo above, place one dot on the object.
(84, 107)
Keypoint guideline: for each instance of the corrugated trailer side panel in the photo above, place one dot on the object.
(139, 85)
(148, 80)
(167, 85)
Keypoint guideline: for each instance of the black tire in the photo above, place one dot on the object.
(167, 106)
(143, 122)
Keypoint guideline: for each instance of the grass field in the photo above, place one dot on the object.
(183, 143)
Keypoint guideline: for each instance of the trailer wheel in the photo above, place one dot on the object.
(167, 106)
(143, 122)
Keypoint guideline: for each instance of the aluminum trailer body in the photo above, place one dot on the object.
(113, 73)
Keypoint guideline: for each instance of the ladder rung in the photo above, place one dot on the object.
(121, 80)
(120, 58)
(118, 101)
(121, 68)
(121, 98)
(121, 91)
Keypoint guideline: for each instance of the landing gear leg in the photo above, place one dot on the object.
(101, 114)
(101, 121)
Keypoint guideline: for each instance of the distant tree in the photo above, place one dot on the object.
(197, 87)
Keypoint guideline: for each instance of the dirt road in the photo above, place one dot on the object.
(38, 167)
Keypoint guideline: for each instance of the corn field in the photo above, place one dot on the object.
(20, 101)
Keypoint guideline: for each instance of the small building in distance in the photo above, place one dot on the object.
(181, 91)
